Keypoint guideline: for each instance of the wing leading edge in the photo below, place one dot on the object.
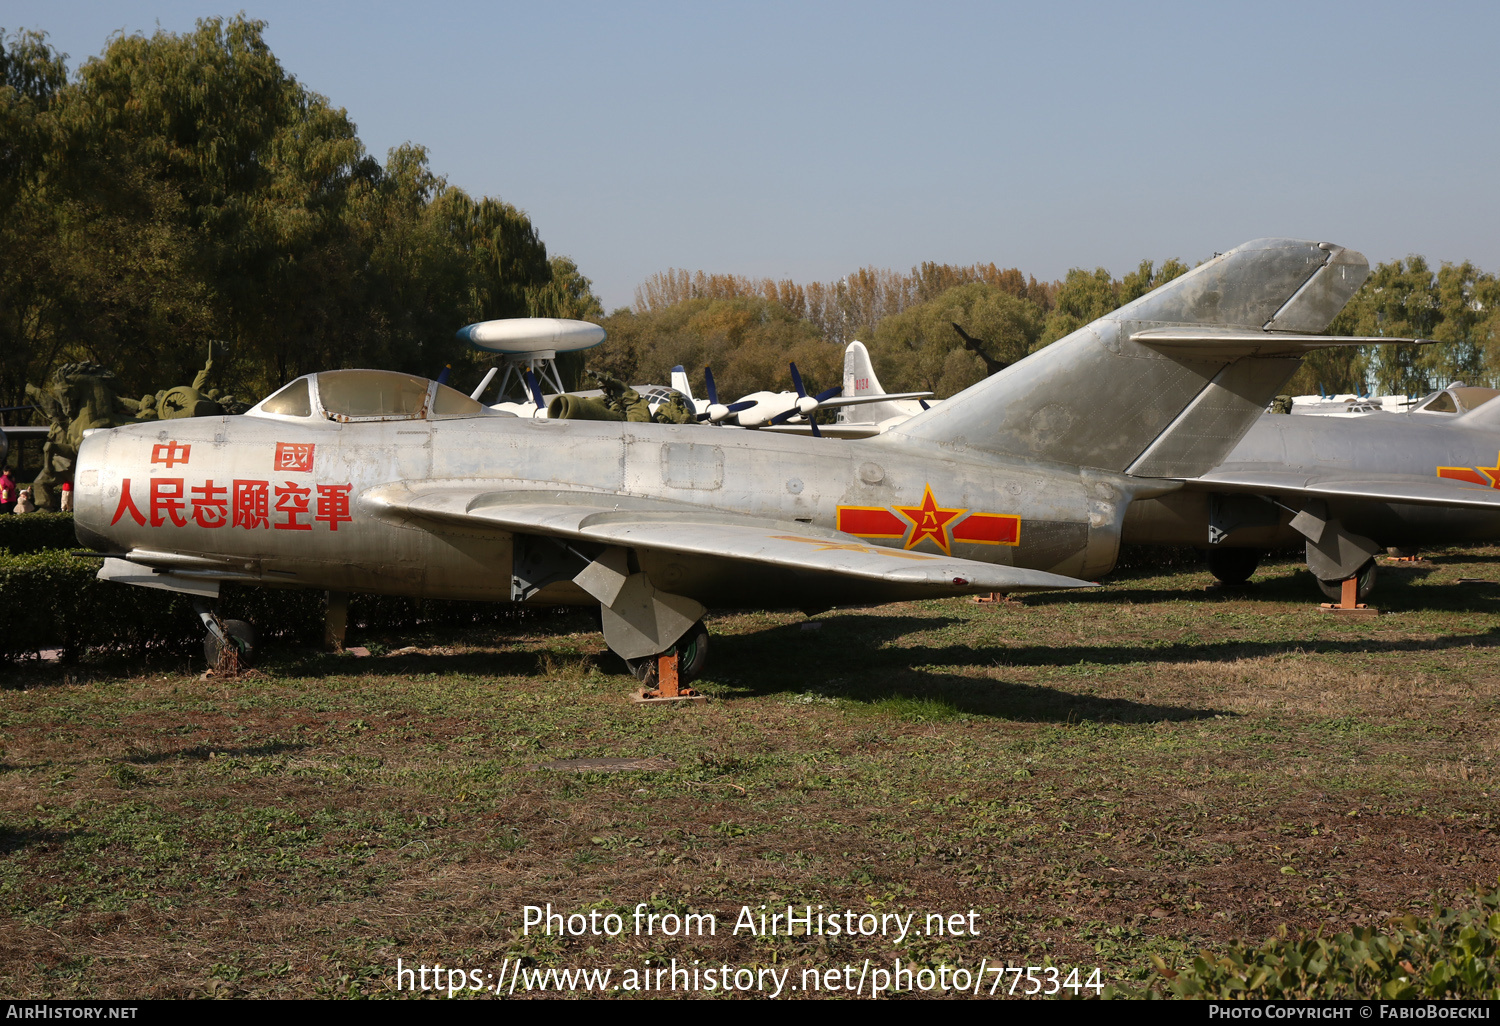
(698, 532)
(1394, 488)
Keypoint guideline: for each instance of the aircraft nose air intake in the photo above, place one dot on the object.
(89, 522)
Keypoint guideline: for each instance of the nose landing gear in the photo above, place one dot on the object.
(229, 645)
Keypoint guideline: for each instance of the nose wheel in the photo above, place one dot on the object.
(229, 644)
(1233, 566)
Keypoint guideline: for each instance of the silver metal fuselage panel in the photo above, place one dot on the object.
(183, 478)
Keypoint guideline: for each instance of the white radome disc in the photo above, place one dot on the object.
(517, 335)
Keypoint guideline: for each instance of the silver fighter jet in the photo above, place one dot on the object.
(1346, 488)
(377, 481)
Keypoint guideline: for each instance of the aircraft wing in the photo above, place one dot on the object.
(1398, 488)
(829, 430)
(698, 532)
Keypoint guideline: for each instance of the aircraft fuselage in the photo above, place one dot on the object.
(298, 502)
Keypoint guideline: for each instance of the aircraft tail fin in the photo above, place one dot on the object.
(1166, 385)
(681, 383)
(860, 380)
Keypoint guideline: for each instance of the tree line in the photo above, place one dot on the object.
(185, 188)
(182, 189)
(748, 328)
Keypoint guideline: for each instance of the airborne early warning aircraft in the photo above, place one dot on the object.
(362, 480)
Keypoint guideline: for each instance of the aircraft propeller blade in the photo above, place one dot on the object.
(806, 405)
(716, 411)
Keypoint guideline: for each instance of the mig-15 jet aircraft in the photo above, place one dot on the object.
(1346, 488)
(365, 480)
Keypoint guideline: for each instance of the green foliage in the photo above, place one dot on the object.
(918, 348)
(747, 340)
(1085, 296)
(1454, 954)
(54, 600)
(186, 187)
(32, 532)
(1458, 305)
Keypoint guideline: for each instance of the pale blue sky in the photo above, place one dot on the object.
(805, 140)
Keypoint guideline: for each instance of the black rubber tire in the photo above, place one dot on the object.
(242, 633)
(1366, 575)
(692, 650)
(692, 653)
(644, 670)
(1233, 566)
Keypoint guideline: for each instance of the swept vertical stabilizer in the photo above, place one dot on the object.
(1166, 385)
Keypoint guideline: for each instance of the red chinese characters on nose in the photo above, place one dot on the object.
(246, 504)
(294, 456)
(167, 501)
(251, 504)
(169, 454)
(292, 500)
(333, 505)
(210, 507)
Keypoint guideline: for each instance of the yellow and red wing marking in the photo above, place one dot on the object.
(988, 529)
(929, 520)
(943, 525)
(871, 522)
(1468, 474)
(1484, 477)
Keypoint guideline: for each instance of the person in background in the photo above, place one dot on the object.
(7, 492)
(24, 503)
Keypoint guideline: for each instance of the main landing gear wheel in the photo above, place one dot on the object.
(1233, 566)
(692, 655)
(245, 639)
(1366, 577)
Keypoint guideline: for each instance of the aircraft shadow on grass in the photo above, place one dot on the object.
(1394, 594)
(13, 839)
(881, 673)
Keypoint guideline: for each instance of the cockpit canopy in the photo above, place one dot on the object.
(363, 395)
(1456, 398)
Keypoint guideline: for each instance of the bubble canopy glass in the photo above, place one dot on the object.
(357, 395)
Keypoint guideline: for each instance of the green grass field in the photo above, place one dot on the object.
(1148, 769)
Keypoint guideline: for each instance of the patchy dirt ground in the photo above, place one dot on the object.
(1148, 769)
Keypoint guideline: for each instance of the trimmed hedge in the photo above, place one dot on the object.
(53, 600)
(1454, 954)
(34, 532)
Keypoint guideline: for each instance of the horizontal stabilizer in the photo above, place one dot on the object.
(884, 397)
(1397, 488)
(1227, 342)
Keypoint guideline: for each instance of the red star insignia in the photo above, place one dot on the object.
(1493, 473)
(930, 520)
